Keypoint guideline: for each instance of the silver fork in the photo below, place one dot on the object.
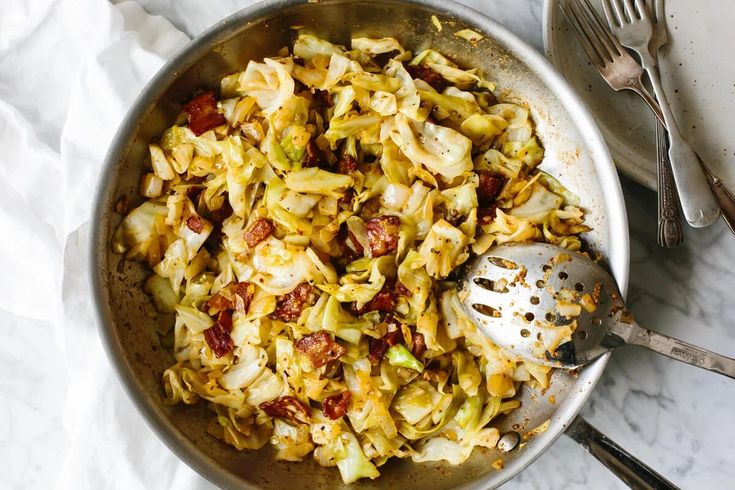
(670, 233)
(611, 60)
(630, 23)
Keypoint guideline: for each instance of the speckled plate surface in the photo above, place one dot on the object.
(698, 73)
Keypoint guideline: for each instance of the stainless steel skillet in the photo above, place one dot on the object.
(575, 153)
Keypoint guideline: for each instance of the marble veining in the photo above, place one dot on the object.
(676, 418)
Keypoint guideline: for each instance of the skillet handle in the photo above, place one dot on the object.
(634, 473)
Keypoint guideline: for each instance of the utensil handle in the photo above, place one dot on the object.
(677, 349)
(670, 233)
(697, 201)
(724, 197)
(633, 472)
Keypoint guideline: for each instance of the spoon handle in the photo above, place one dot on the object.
(677, 349)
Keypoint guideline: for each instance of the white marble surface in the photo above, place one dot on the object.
(676, 418)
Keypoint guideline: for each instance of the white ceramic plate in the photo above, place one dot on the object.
(698, 73)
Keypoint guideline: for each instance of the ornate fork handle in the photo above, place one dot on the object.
(670, 233)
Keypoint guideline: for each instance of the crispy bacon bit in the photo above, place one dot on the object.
(382, 234)
(486, 214)
(377, 349)
(291, 305)
(320, 348)
(258, 231)
(489, 188)
(419, 345)
(218, 336)
(402, 290)
(346, 165)
(335, 406)
(219, 302)
(287, 407)
(244, 291)
(379, 346)
(314, 155)
(234, 296)
(384, 302)
(195, 224)
(201, 113)
(429, 76)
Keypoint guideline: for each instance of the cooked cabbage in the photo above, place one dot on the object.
(303, 253)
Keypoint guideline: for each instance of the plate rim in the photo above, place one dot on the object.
(630, 168)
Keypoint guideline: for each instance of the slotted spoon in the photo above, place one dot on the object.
(529, 298)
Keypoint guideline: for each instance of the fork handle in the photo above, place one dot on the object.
(669, 222)
(632, 333)
(697, 201)
(723, 195)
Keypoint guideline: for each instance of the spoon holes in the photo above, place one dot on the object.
(563, 276)
(525, 333)
(540, 284)
(486, 310)
(503, 263)
(529, 316)
(535, 300)
(579, 287)
(582, 334)
(546, 268)
(490, 285)
(596, 321)
(550, 317)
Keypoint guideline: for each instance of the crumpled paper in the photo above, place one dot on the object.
(70, 69)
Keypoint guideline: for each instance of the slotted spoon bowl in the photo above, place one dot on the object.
(562, 309)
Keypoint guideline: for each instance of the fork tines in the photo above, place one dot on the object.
(599, 44)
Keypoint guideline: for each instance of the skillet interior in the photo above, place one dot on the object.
(574, 153)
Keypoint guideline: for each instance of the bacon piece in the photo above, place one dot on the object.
(402, 290)
(320, 348)
(487, 192)
(377, 347)
(258, 231)
(195, 224)
(218, 336)
(221, 301)
(489, 188)
(346, 165)
(335, 406)
(418, 346)
(243, 295)
(234, 296)
(486, 214)
(201, 113)
(314, 155)
(382, 234)
(291, 305)
(384, 301)
(287, 407)
(429, 76)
